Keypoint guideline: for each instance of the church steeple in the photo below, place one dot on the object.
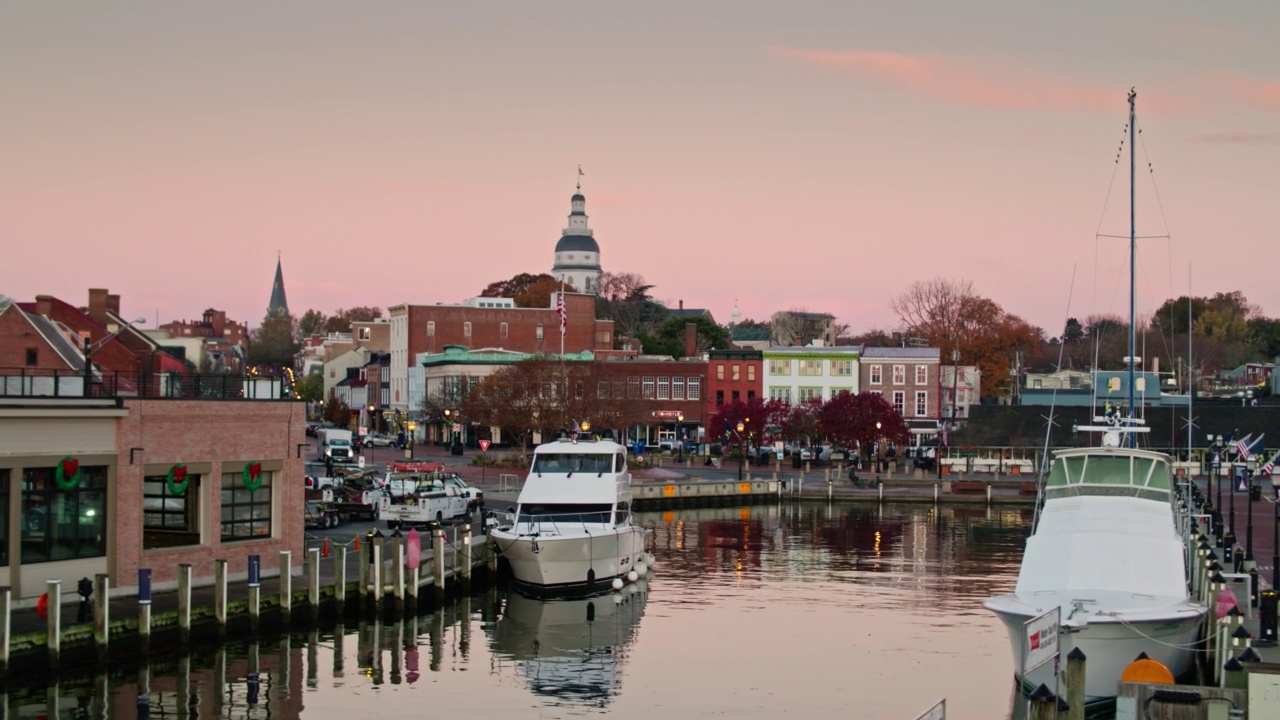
(278, 305)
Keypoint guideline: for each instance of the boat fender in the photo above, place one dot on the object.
(617, 583)
(633, 576)
(641, 569)
(649, 560)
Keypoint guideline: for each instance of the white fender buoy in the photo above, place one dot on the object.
(649, 559)
(633, 576)
(617, 599)
(617, 583)
(642, 586)
(641, 568)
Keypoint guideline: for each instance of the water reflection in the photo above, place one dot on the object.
(571, 651)
(751, 613)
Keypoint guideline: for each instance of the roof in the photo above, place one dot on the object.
(812, 315)
(749, 333)
(689, 312)
(57, 340)
(780, 350)
(906, 353)
(577, 243)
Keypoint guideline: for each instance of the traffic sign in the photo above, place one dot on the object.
(484, 446)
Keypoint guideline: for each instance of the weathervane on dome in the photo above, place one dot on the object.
(580, 174)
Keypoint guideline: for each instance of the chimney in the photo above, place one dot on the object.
(97, 309)
(113, 304)
(681, 304)
(44, 305)
(690, 339)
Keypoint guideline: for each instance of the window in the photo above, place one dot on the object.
(922, 403)
(779, 367)
(877, 375)
(737, 373)
(4, 517)
(431, 328)
(647, 394)
(466, 329)
(538, 331)
(677, 388)
(899, 374)
(246, 514)
(899, 401)
(736, 396)
(810, 393)
(32, 356)
(751, 373)
(922, 374)
(843, 368)
(719, 372)
(719, 397)
(1037, 383)
(502, 331)
(664, 388)
(693, 388)
(810, 367)
(602, 389)
(633, 388)
(837, 390)
(780, 393)
(603, 337)
(751, 395)
(170, 519)
(62, 524)
(366, 334)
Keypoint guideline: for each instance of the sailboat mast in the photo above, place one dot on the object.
(1133, 249)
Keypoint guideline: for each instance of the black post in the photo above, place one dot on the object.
(1275, 546)
(679, 443)
(742, 456)
(1248, 538)
(88, 368)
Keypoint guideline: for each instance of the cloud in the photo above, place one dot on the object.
(1261, 93)
(1236, 138)
(960, 81)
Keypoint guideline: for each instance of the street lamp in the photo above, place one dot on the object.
(447, 429)
(372, 419)
(679, 440)
(742, 448)
(408, 443)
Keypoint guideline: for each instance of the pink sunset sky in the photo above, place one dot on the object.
(815, 155)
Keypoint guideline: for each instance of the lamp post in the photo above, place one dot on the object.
(679, 440)
(408, 442)
(1250, 464)
(447, 430)
(742, 449)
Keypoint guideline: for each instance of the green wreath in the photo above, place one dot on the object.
(177, 479)
(67, 473)
(252, 476)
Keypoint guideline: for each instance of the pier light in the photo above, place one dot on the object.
(585, 425)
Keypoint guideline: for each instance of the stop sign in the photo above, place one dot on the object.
(484, 446)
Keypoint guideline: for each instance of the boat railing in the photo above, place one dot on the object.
(560, 523)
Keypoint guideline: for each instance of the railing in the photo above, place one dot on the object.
(35, 382)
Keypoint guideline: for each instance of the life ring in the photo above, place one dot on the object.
(42, 606)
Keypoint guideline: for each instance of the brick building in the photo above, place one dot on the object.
(733, 375)
(908, 378)
(429, 328)
(667, 395)
(212, 324)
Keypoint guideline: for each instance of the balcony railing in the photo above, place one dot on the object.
(34, 382)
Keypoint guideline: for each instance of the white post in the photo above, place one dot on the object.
(220, 594)
(184, 602)
(465, 568)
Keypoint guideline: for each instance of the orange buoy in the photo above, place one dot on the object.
(1147, 670)
(324, 551)
(357, 543)
(42, 606)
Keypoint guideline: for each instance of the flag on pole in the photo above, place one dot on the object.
(1254, 448)
(1242, 446)
(560, 310)
(1271, 465)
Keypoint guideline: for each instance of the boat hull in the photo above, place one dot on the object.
(1109, 647)
(579, 562)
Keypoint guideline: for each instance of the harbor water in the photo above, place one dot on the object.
(800, 610)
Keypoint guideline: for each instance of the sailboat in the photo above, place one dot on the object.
(1104, 569)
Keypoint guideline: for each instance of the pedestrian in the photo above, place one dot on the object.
(328, 465)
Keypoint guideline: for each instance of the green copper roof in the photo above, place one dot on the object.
(459, 355)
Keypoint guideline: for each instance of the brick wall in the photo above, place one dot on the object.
(17, 335)
(582, 331)
(226, 435)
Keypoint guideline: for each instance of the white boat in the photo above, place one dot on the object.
(572, 529)
(1106, 553)
(571, 650)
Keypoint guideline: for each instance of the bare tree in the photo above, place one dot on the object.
(798, 326)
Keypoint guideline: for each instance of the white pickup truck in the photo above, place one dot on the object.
(421, 500)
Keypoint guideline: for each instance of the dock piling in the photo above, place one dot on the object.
(465, 567)
(313, 582)
(1075, 675)
(254, 565)
(437, 555)
(340, 576)
(102, 625)
(101, 615)
(53, 629)
(6, 628)
(184, 603)
(286, 585)
(397, 571)
(375, 570)
(220, 595)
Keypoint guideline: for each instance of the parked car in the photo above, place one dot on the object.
(313, 429)
(380, 440)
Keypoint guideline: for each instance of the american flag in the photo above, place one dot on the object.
(1242, 447)
(564, 316)
(1271, 465)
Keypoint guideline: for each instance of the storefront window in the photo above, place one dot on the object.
(170, 519)
(62, 524)
(246, 514)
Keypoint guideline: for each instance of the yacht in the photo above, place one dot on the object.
(572, 531)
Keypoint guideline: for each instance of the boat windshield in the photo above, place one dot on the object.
(565, 513)
(574, 463)
(1109, 474)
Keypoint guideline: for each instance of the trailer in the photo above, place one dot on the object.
(337, 503)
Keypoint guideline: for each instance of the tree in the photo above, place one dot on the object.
(949, 315)
(876, 338)
(624, 299)
(1263, 336)
(515, 286)
(860, 421)
(309, 387)
(668, 339)
(798, 326)
(336, 411)
(538, 295)
(312, 323)
(340, 321)
(273, 343)
(520, 398)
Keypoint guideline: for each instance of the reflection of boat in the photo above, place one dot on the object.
(571, 649)
(1107, 555)
(572, 530)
